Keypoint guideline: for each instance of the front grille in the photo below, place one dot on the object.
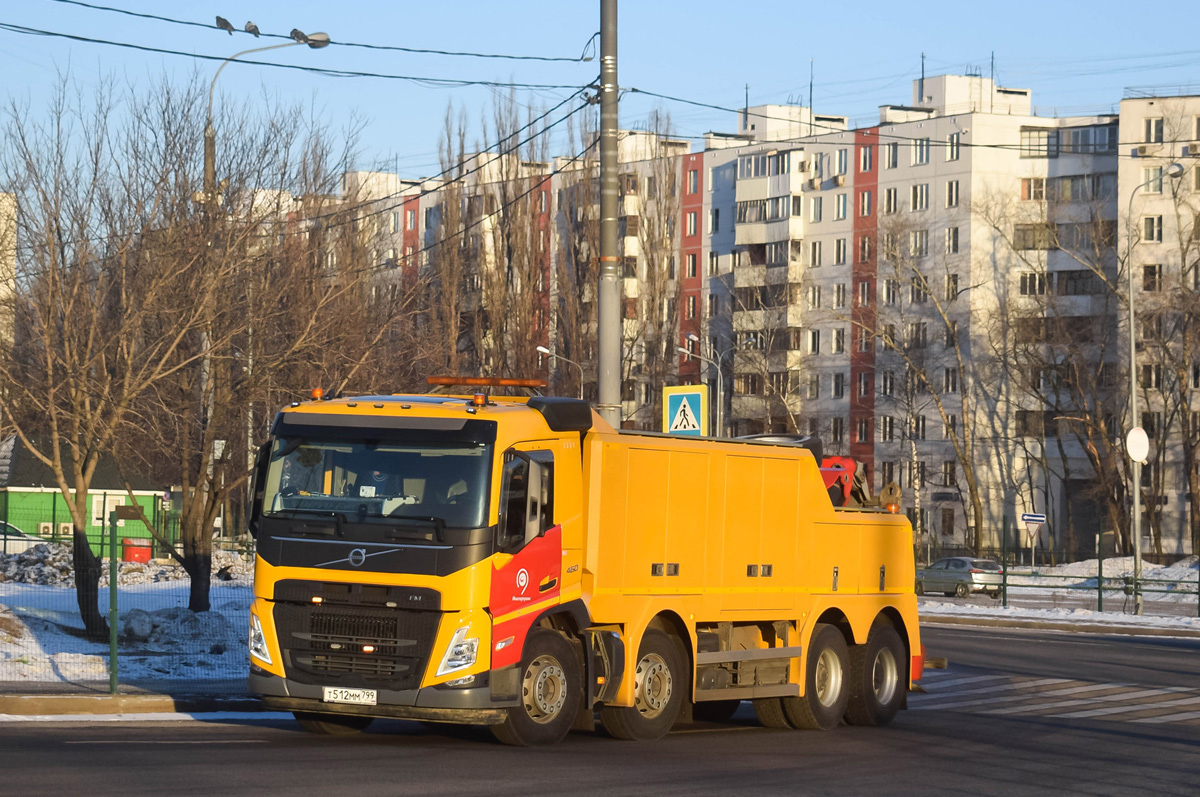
(355, 646)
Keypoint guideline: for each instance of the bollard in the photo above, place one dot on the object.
(1099, 574)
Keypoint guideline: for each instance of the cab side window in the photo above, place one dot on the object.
(526, 498)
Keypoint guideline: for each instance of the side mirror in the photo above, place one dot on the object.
(258, 484)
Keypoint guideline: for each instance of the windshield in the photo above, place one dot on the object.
(360, 480)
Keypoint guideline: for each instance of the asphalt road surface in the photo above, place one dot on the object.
(1015, 712)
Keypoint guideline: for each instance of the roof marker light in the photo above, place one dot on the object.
(317, 393)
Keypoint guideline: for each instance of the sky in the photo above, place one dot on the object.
(1077, 58)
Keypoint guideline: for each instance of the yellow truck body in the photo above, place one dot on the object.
(518, 563)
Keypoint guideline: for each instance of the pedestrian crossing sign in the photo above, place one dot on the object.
(685, 410)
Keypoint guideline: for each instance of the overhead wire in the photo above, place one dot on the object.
(433, 82)
(416, 50)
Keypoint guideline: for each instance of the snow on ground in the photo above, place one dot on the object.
(160, 638)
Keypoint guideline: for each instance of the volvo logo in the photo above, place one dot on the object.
(357, 557)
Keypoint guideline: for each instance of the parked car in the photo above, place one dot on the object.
(13, 540)
(961, 575)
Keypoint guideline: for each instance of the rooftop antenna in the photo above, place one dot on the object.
(746, 111)
(992, 98)
(810, 99)
(921, 85)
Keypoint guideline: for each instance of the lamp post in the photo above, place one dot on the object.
(1136, 445)
(715, 367)
(316, 41)
(554, 356)
(717, 359)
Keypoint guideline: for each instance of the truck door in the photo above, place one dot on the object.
(527, 533)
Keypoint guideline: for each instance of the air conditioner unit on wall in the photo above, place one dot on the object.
(840, 180)
(1194, 149)
(66, 529)
(1143, 150)
(45, 529)
(815, 183)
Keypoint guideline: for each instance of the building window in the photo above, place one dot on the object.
(815, 208)
(918, 429)
(814, 386)
(953, 142)
(1152, 179)
(839, 341)
(864, 384)
(693, 179)
(839, 295)
(691, 265)
(951, 330)
(864, 249)
(1152, 128)
(814, 297)
(1152, 229)
(691, 306)
(396, 221)
(865, 157)
(1152, 277)
(1151, 377)
(887, 383)
(952, 240)
(951, 286)
(865, 340)
(839, 386)
(864, 203)
(864, 294)
(1039, 142)
(863, 433)
(950, 380)
(839, 252)
(840, 163)
(891, 155)
(890, 201)
(887, 472)
(952, 193)
(887, 428)
(714, 307)
(919, 197)
(918, 335)
(837, 430)
(920, 151)
(814, 341)
(916, 474)
(891, 291)
(839, 206)
(1033, 284)
(714, 221)
(814, 254)
(1033, 188)
(691, 222)
(918, 243)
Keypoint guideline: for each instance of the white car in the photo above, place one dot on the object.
(13, 540)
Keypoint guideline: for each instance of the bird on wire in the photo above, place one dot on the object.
(299, 35)
(225, 25)
(252, 28)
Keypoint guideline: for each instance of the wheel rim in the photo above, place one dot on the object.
(885, 676)
(653, 685)
(544, 689)
(961, 590)
(828, 678)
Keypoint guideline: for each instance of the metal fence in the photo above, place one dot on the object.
(160, 644)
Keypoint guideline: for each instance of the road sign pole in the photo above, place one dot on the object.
(113, 570)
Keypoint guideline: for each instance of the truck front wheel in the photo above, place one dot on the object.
(659, 684)
(551, 688)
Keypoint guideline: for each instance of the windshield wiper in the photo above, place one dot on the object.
(439, 525)
(322, 530)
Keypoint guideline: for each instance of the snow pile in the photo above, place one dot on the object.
(1179, 577)
(1074, 616)
(50, 564)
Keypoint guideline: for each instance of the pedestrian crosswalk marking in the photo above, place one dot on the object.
(1020, 696)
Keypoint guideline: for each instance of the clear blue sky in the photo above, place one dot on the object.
(1076, 57)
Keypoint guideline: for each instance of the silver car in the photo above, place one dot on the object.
(961, 575)
(13, 540)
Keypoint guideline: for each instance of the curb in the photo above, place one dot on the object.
(46, 705)
(1050, 625)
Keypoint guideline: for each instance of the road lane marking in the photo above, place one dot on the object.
(1100, 712)
(972, 679)
(1187, 715)
(1135, 695)
(1016, 685)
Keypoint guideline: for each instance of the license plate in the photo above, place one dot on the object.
(359, 697)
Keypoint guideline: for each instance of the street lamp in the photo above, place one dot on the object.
(1136, 444)
(316, 41)
(715, 367)
(554, 356)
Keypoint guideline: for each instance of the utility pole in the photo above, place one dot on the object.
(609, 290)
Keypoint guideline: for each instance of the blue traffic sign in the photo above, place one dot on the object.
(1033, 517)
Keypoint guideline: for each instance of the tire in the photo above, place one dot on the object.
(715, 710)
(770, 713)
(659, 686)
(877, 678)
(995, 593)
(919, 589)
(332, 724)
(551, 690)
(825, 689)
(961, 591)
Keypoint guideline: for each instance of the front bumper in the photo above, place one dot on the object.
(476, 705)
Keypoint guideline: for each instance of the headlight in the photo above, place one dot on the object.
(258, 640)
(460, 652)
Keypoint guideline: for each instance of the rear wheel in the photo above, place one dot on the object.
(658, 690)
(551, 688)
(920, 588)
(332, 724)
(877, 681)
(961, 591)
(994, 593)
(825, 691)
(770, 713)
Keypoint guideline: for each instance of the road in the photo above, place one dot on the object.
(1015, 712)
